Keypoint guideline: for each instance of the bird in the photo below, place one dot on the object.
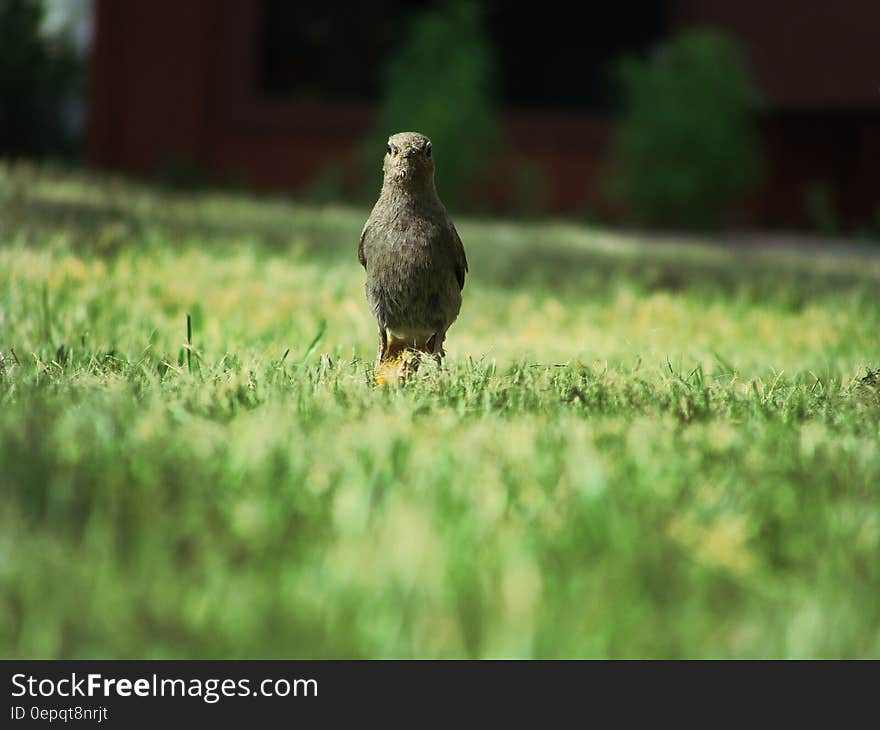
(414, 261)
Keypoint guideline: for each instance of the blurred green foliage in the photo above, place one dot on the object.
(39, 77)
(688, 146)
(633, 450)
(440, 82)
(820, 208)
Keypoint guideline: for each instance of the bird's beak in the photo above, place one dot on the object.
(408, 152)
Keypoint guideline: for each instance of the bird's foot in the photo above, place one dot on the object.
(395, 370)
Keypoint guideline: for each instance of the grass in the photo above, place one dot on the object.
(634, 450)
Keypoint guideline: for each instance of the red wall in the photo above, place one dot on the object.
(172, 82)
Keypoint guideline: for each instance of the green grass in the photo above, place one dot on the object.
(634, 450)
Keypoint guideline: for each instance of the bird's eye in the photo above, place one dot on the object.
(428, 149)
(388, 147)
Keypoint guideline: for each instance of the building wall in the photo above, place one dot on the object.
(173, 83)
(818, 65)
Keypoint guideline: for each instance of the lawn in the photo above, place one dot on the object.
(635, 449)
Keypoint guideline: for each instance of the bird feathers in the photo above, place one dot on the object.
(414, 259)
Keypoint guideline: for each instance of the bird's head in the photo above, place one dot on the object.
(409, 161)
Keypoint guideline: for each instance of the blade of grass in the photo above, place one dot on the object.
(188, 343)
(316, 340)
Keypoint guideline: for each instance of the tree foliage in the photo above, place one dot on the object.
(688, 143)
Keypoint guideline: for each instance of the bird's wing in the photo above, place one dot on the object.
(361, 257)
(460, 259)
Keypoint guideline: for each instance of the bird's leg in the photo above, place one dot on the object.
(435, 345)
(394, 361)
(383, 345)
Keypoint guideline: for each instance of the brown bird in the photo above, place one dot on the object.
(414, 259)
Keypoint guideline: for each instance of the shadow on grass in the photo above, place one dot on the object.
(595, 273)
(547, 262)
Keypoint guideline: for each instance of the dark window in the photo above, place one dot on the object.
(549, 54)
(327, 50)
(561, 54)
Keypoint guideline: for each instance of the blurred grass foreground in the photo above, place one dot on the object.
(635, 450)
